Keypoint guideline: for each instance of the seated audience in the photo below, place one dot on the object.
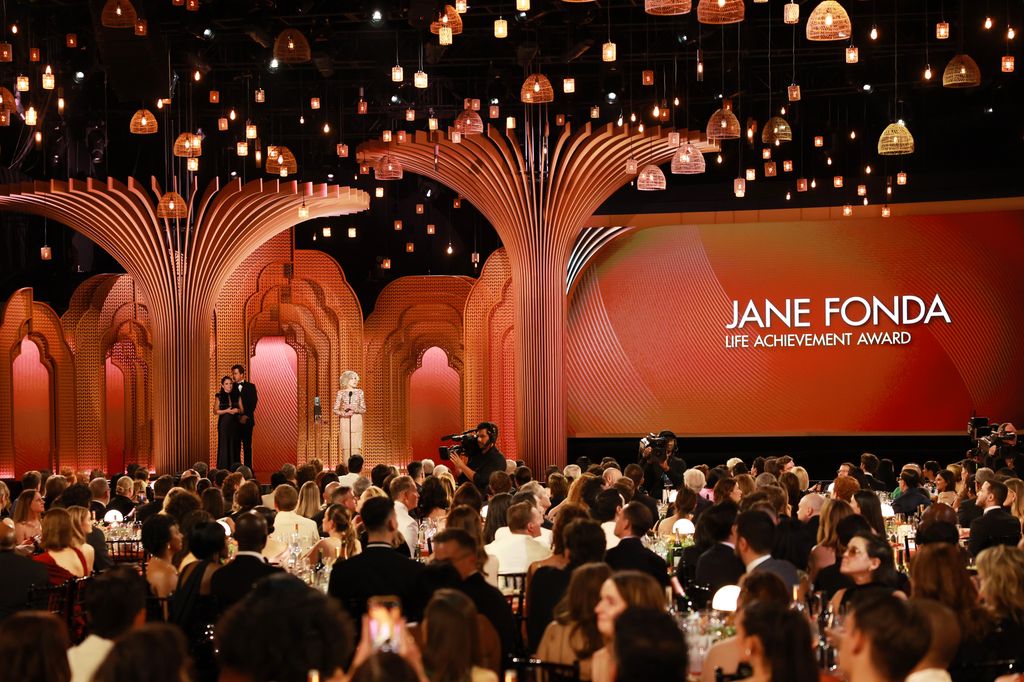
(122, 500)
(451, 647)
(718, 565)
(825, 553)
(649, 646)
(912, 495)
(882, 640)
(114, 603)
(161, 539)
(683, 508)
(340, 542)
(519, 549)
(28, 517)
(606, 509)
(778, 643)
(867, 504)
(754, 537)
(619, 592)
(868, 562)
(33, 648)
(78, 495)
(995, 526)
(20, 574)
(467, 519)
(572, 634)
(232, 581)
(944, 640)
(193, 606)
(433, 500)
(288, 524)
(497, 515)
(81, 527)
(406, 496)
(1000, 577)
(631, 525)
(161, 486)
(559, 557)
(62, 559)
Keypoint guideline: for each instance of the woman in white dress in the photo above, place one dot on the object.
(350, 406)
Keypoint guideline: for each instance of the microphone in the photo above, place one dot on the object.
(453, 436)
(350, 396)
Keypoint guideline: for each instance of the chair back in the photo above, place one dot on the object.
(513, 586)
(536, 670)
(126, 551)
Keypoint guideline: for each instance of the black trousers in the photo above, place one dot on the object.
(245, 441)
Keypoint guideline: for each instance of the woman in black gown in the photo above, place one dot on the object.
(227, 406)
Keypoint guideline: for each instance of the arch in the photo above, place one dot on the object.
(434, 401)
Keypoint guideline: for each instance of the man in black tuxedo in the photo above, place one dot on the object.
(755, 532)
(247, 420)
(718, 566)
(20, 573)
(235, 580)
(635, 473)
(631, 524)
(995, 526)
(459, 548)
(379, 569)
(161, 486)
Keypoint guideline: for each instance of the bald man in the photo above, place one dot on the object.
(19, 573)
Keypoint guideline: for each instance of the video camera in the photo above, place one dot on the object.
(658, 444)
(986, 435)
(458, 447)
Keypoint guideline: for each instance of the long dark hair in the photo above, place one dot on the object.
(451, 636)
(879, 548)
(497, 510)
(871, 510)
(33, 647)
(432, 496)
(576, 608)
(785, 641)
(220, 386)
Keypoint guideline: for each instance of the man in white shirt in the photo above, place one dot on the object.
(403, 492)
(537, 496)
(115, 603)
(520, 548)
(355, 468)
(287, 522)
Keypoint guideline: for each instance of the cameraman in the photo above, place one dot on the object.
(1004, 453)
(481, 457)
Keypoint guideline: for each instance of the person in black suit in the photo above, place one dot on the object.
(247, 418)
(718, 565)
(20, 573)
(635, 473)
(379, 569)
(755, 532)
(995, 526)
(161, 486)
(235, 580)
(631, 524)
(459, 548)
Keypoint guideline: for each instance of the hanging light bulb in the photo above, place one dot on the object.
(1010, 33)
(632, 117)
(675, 101)
(928, 72)
(718, 159)
(197, 75)
(988, 23)
(874, 32)
(814, 183)
(232, 115)
(656, 111)
(326, 128)
(60, 104)
(449, 250)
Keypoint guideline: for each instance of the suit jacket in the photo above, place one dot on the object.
(719, 566)
(631, 555)
(98, 541)
(702, 504)
(649, 502)
(377, 570)
(995, 527)
(19, 574)
(231, 582)
(781, 568)
(98, 509)
(546, 588)
(148, 509)
(493, 606)
(908, 502)
(247, 390)
(967, 512)
(122, 504)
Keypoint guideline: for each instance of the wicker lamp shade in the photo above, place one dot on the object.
(388, 168)
(118, 14)
(961, 72)
(667, 8)
(650, 179)
(291, 47)
(188, 145)
(469, 123)
(688, 161)
(7, 102)
(172, 205)
(454, 22)
(829, 21)
(283, 159)
(723, 125)
(143, 123)
(720, 11)
(776, 130)
(895, 140)
(536, 90)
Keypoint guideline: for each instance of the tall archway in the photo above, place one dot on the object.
(114, 428)
(274, 371)
(32, 408)
(434, 402)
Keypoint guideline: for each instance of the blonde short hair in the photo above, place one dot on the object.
(1001, 571)
(347, 376)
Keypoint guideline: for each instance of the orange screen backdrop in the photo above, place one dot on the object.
(647, 328)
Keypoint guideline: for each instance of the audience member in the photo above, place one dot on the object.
(912, 496)
(883, 639)
(161, 486)
(287, 523)
(233, 581)
(451, 647)
(995, 526)
(649, 646)
(162, 540)
(868, 562)
(406, 496)
(754, 537)
(519, 548)
(718, 565)
(434, 501)
(33, 648)
(572, 634)
(28, 517)
(826, 552)
(1001, 586)
(778, 643)
(631, 524)
(944, 636)
(114, 603)
(340, 542)
(497, 515)
(62, 559)
(622, 590)
(20, 574)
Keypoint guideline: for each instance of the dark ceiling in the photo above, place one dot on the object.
(968, 141)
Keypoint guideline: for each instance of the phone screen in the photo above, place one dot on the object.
(385, 623)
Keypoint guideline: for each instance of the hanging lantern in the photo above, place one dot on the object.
(444, 35)
(536, 90)
(192, 5)
(141, 27)
(214, 96)
(723, 124)
(522, 5)
(568, 85)
(457, 202)
(829, 21)
(500, 28)
(895, 140)
(837, 181)
(819, 141)
(493, 111)
(942, 30)
(776, 130)
(291, 47)
(650, 179)
(787, 166)
(461, 6)
(791, 13)
(852, 55)
(45, 252)
(409, 247)
(250, 131)
(6, 52)
(770, 169)
(901, 178)
(385, 263)
(187, 145)
(595, 111)
(172, 205)
(559, 120)
(341, 150)
(608, 52)
(351, 233)
(667, 8)
(420, 80)
(862, 190)
(431, 228)
(961, 72)
(385, 136)
(739, 187)
(397, 74)
(647, 77)
(398, 226)
(720, 11)
(48, 81)
(688, 161)
(260, 96)
(314, 102)
(793, 92)
(21, 84)
(469, 123)
(631, 166)
(847, 211)
(118, 14)
(750, 175)
(222, 123)
(432, 122)
(5, 117)
(242, 149)
(673, 139)
(192, 164)
(801, 185)
(71, 40)
(419, 209)
(31, 118)
(143, 123)
(456, 137)
(388, 168)
(1007, 63)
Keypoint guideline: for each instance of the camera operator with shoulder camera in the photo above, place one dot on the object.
(1004, 452)
(662, 466)
(479, 457)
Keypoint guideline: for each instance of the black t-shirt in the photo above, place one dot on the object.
(483, 465)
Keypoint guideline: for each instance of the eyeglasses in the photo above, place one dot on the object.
(853, 551)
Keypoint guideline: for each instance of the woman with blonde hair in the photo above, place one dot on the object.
(1015, 498)
(805, 478)
(368, 494)
(62, 559)
(309, 500)
(350, 406)
(81, 526)
(1001, 586)
(824, 554)
(5, 500)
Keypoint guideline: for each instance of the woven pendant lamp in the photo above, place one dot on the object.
(143, 123)
(723, 124)
(961, 72)
(469, 122)
(7, 102)
(388, 168)
(896, 140)
(688, 161)
(650, 179)
(451, 19)
(720, 11)
(291, 47)
(172, 205)
(536, 90)
(118, 14)
(667, 8)
(188, 145)
(776, 130)
(282, 162)
(829, 21)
